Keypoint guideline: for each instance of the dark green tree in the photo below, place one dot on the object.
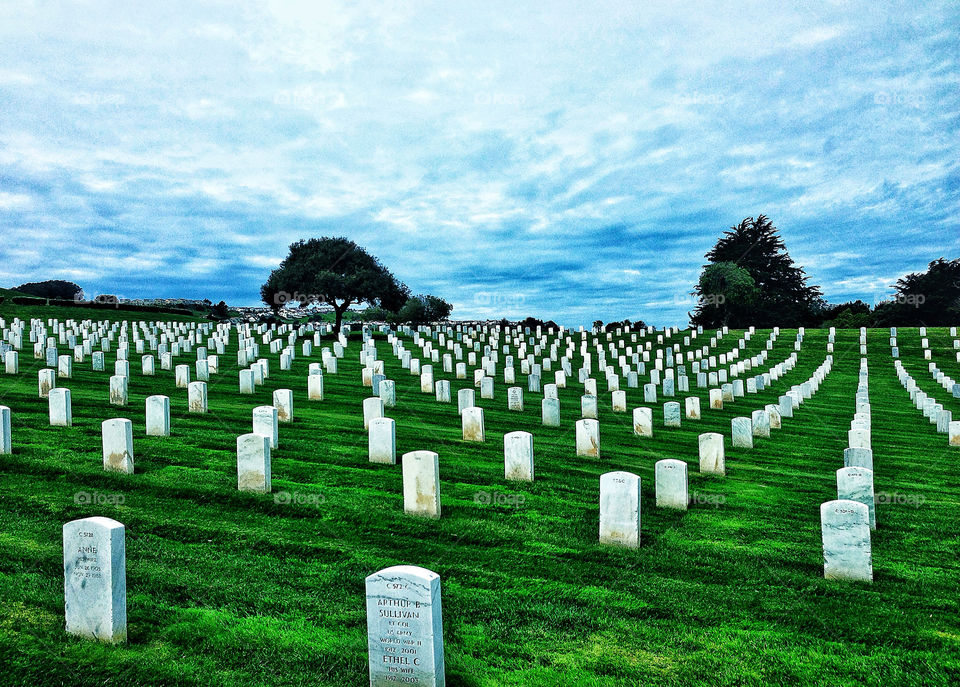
(56, 288)
(930, 298)
(783, 296)
(423, 309)
(335, 271)
(727, 295)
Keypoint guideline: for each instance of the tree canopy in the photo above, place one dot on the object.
(782, 295)
(335, 271)
(930, 298)
(56, 288)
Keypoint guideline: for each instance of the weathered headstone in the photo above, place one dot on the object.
(671, 484)
(315, 387)
(95, 579)
(760, 420)
(382, 440)
(515, 398)
(197, 397)
(716, 399)
(404, 627)
(550, 412)
(620, 509)
(858, 458)
(421, 483)
(588, 438)
(117, 445)
(372, 407)
(741, 432)
(6, 438)
(466, 398)
(643, 422)
(118, 390)
(588, 407)
(856, 484)
(518, 456)
(472, 424)
(671, 414)
(845, 531)
(265, 423)
(158, 416)
(692, 407)
(47, 380)
(712, 458)
(61, 408)
(253, 462)
(283, 402)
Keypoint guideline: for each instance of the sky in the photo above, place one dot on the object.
(566, 160)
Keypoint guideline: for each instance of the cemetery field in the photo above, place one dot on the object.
(226, 587)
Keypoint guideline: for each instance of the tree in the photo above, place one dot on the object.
(271, 293)
(727, 296)
(421, 309)
(56, 288)
(335, 271)
(220, 309)
(930, 298)
(783, 296)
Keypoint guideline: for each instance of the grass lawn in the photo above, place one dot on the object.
(231, 588)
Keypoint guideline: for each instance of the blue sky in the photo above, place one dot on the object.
(573, 161)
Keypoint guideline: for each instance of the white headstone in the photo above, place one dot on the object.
(61, 408)
(372, 407)
(95, 579)
(742, 432)
(845, 530)
(518, 456)
(404, 627)
(197, 397)
(472, 424)
(117, 445)
(253, 462)
(588, 438)
(643, 422)
(158, 416)
(620, 509)
(6, 439)
(856, 484)
(265, 423)
(382, 441)
(283, 402)
(712, 458)
(671, 484)
(550, 412)
(421, 483)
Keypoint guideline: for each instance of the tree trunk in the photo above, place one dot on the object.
(339, 310)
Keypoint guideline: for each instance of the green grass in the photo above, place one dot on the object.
(230, 588)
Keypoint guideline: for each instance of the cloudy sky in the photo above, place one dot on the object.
(571, 162)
